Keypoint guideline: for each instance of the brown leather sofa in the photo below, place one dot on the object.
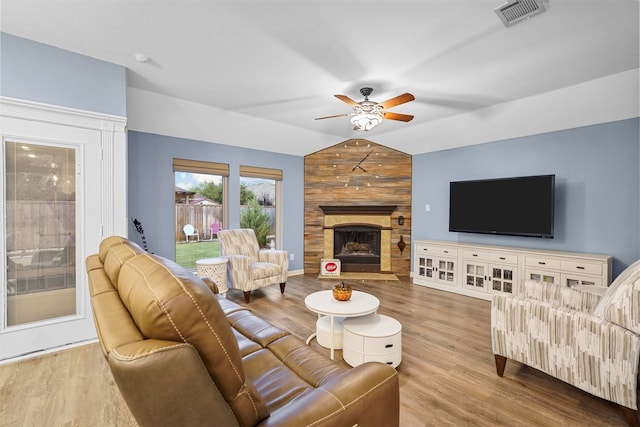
(183, 356)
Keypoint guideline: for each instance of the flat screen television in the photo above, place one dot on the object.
(518, 206)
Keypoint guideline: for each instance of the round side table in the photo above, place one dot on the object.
(375, 337)
(216, 270)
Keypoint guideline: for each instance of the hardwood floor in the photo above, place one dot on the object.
(447, 375)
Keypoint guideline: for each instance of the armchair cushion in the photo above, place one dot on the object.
(261, 270)
(240, 241)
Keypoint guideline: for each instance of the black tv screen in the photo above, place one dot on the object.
(519, 206)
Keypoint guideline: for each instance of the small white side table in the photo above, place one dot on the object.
(216, 270)
(375, 337)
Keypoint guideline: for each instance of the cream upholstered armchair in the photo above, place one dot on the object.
(250, 267)
(587, 340)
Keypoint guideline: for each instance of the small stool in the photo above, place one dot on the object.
(323, 332)
(216, 270)
(374, 337)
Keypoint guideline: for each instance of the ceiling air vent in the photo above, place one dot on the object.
(515, 11)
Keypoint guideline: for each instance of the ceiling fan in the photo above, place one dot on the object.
(368, 114)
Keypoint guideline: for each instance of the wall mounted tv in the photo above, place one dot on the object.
(518, 206)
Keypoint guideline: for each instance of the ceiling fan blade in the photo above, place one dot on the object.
(331, 117)
(398, 116)
(400, 99)
(346, 99)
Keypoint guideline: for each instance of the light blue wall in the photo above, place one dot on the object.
(597, 188)
(151, 187)
(37, 72)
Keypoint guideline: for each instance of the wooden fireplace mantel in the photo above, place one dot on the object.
(358, 209)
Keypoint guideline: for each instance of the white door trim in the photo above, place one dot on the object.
(100, 135)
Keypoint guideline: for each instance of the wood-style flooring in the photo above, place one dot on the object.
(447, 374)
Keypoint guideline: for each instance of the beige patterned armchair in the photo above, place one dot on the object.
(250, 267)
(587, 340)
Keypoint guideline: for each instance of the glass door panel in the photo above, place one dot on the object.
(40, 226)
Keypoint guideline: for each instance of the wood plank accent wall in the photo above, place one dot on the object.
(326, 173)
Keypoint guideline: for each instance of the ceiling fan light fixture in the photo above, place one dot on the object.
(365, 121)
(368, 114)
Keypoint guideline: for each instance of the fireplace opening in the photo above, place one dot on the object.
(357, 248)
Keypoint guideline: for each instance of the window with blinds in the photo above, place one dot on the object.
(201, 198)
(260, 195)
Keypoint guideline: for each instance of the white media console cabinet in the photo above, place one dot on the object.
(482, 270)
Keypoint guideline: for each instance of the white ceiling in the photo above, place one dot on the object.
(255, 73)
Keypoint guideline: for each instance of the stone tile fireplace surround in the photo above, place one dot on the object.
(358, 216)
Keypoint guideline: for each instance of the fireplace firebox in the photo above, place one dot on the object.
(357, 248)
(367, 239)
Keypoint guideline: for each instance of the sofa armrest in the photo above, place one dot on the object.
(211, 284)
(149, 373)
(592, 354)
(367, 395)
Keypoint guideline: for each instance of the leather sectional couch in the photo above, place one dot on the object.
(182, 355)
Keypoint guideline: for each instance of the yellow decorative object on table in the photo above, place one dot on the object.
(342, 292)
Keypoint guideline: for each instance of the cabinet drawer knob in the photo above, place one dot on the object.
(542, 263)
(474, 255)
(446, 252)
(389, 363)
(388, 346)
(579, 267)
(502, 258)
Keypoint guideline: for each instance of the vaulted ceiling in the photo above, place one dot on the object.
(255, 73)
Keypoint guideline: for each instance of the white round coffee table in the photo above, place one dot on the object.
(323, 303)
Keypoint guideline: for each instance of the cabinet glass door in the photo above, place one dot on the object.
(475, 275)
(425, 267)
(446, 271)
(571, 280)
(502, 279)
(543, 276)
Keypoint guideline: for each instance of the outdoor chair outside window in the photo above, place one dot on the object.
(190, 231)
(215, 227)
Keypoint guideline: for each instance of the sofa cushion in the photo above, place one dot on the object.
(167, 302)
(110, 241)
(255, 328)
(116, 257)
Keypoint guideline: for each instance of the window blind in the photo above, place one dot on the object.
(258, 172)
(199, 166)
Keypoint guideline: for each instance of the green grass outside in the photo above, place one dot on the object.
(188, 253)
